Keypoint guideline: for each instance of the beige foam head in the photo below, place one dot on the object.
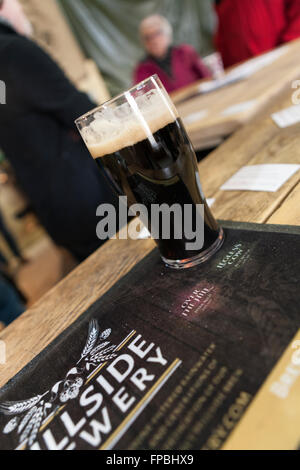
(123, 126)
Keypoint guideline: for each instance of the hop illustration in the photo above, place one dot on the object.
(29, 415)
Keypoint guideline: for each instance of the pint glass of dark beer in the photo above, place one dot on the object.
(148, 157)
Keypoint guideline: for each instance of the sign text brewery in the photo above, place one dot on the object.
(98, 410)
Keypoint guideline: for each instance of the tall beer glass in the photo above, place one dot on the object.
(141, 141)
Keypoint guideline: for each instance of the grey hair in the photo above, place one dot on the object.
(156, 19)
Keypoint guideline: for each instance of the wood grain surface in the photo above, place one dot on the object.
(240, 148)
(259, 142)
(288, 212)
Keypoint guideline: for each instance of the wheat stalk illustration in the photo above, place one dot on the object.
(103, 358)
(25, 434)
(26, 419)
(102, 355)
(11, 425)
(91, 339)
(105, 334)
(99, 347)
(18, 407)
(37, 420)
(103, 352)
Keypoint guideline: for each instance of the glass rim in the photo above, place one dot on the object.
(111, 100)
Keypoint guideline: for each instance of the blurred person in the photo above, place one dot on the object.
(13, 245)
(3, 262)
(176, 66)
(250, 27)
(11, 305)
(39, 138)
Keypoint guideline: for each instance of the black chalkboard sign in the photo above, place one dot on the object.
(166, 359)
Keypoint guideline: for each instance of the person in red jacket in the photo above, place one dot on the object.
(176, 66)
(250, 27)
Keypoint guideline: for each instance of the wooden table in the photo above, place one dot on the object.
(260, 142)
(261, 88)
(289, 211)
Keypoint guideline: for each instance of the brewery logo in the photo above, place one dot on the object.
(198, 301)
(236, 257)
(29, 414)
(30, 417)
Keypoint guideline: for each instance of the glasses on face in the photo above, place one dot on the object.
(149, 37)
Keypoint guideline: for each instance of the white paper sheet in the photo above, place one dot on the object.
(239, 108)
(287, 117)
(213, 85)
(267, 177)
(197, 116)
(210, 201)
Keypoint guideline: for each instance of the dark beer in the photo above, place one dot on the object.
(141, 142)
(163, 170)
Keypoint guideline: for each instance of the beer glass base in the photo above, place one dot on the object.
(198, 259)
